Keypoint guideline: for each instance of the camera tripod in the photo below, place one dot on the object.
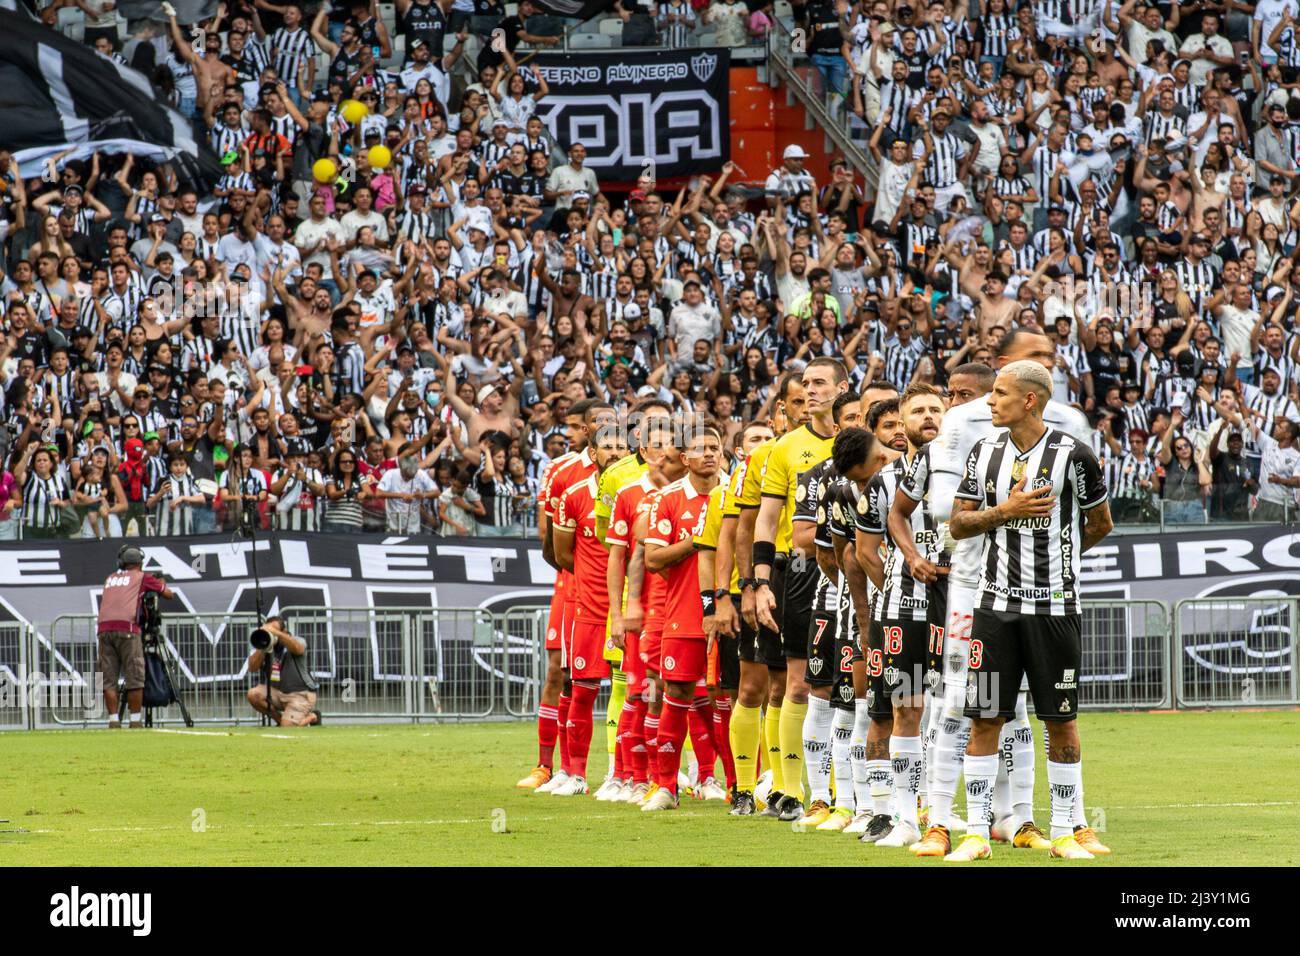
(155, 645)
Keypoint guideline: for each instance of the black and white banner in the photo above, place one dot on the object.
(635, 111)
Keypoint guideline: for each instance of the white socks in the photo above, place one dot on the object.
(817, 749)
(1065, 781)
(981, 772)
(858, 755)
(905, 753)
(946, 762)
(841, 763)
(879, 779)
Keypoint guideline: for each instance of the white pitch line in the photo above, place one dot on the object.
(221, 733)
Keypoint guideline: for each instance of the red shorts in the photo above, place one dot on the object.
(568, 611)
(587, 651)
(683, 659)
(554, 623)
(649, 645)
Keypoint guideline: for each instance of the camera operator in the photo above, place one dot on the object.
(121, 646)
(293, 692)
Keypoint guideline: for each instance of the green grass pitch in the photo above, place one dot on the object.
(1202, 789)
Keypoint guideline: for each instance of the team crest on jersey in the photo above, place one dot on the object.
(871, 697)
(891, 674)
(620, 527)
(550, 634)
(815, 666)
(971, 692)
(670, 663)
(846, 692)
(580, 662)
(1040, 483)
(800, 493)
(665, 526)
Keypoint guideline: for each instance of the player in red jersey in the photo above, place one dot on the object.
(644, 609)
(581, 422)
(625, 619)
(676, 516)
(578, 549)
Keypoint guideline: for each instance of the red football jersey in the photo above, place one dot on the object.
(628, 506)
(678, 515)
(577, 516)
(653, 589)
(565, 476)
(544, 491)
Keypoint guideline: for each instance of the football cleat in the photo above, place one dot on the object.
(742, 805)
(1029, 837)
(661, 799)
(711, 790)
(858, 825)
(1086, 837)
(763, 790)
(573, 787)
(816, 814)
(535, 779)
(972, 847)
(609, 789)
(1067, 848)
(557, 779)
(1004, 830)
(839, 818)
(878, 828)
(636, 792)
(773, 808)
(683, 780)
(791, 809)
(903, 834)
(936, 842)
(646, 794)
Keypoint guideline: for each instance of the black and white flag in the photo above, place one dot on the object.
(57, 94)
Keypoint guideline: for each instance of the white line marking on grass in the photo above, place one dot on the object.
(222, 733)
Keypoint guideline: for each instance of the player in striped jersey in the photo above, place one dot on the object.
(962, 427)
(1034, 498)
(899, 644)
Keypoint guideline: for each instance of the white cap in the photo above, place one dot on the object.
(631, 311)
(794, 151)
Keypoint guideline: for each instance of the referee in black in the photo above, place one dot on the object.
(1037, 496)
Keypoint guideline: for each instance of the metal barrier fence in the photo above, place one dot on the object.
(436, 664)
(1125, 655)
(1237, 651)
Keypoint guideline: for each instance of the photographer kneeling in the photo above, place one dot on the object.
(293, 692)
(121, 646)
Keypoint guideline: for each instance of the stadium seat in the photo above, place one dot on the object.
(782, 9)
(394, 62)
(388, 15)
(706, 39)
(611, 27)
(590, 41)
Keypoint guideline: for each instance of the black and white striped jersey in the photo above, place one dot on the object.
(292, 49)
(810, 499)
(1126, 473)
(1031, 565)
(916, 485)
(903, 597)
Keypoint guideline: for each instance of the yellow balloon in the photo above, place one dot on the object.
(324, 170)
(380, 157)
(353, 111)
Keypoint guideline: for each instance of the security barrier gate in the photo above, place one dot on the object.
(421, 664)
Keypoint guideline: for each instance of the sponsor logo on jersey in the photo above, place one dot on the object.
(1065, 705)
(800, 493)
(670, 663)
(665, 526)
(620, 526)
(908, 602)
(579, 662)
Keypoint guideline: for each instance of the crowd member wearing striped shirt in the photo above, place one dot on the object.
(174, 500)
(293, 54)
(1036, 497)
(46, 493)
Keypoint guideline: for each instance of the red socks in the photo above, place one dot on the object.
(547, 728)
(701, 724)
(672, 734)
(623, 740)
(636, 746)
(580, 717)
(722, 738)
(562, 718)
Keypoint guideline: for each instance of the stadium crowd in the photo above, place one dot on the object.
(392, 339)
